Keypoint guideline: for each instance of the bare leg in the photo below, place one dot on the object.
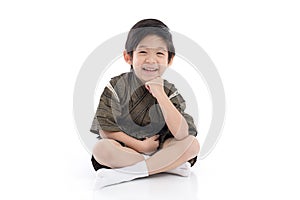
(110, 153)
(173, 154)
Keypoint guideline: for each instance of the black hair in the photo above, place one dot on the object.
(147, 27)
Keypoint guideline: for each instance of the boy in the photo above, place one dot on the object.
(140, 118)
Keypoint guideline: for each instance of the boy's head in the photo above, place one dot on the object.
(149, 42)
(147, 27)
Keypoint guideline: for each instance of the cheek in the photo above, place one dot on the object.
(164, 64)
(138, 62)
(163, 60)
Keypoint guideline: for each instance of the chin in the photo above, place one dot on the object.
(148, 79)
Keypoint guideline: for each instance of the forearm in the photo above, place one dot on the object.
(122, 137)
(174, 120)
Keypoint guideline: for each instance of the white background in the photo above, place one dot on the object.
(255, 46)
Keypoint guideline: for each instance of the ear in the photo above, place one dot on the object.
(127, 57)
(171, 61)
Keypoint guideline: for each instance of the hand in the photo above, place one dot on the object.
(155, 86)
(149, 145)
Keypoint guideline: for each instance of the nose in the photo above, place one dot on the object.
(150, 58)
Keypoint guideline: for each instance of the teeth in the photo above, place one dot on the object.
(150, 69)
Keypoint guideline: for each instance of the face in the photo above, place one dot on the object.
(150, 59)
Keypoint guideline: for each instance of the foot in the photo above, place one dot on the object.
(182, 170)
(105, 177)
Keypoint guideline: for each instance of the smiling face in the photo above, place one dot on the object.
(150, 58)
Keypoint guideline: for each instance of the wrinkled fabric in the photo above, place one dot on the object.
(126, 105)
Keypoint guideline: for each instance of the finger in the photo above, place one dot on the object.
(158, 78)
(147, 87)
(156, 137)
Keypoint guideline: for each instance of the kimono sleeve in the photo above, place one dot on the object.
(107, 111)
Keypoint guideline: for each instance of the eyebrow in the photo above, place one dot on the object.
(146, 47)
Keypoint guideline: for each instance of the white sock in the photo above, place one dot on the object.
(182, 170)
(146, 156)
(105, 177)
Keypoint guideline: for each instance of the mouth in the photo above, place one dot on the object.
(150, 69)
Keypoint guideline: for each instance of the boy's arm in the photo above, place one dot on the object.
(174, 119)
(145, 146)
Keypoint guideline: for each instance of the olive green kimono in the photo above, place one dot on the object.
(127, 106)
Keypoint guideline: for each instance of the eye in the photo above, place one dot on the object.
(160, 53)
(142, 52)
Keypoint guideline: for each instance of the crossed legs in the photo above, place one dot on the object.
(173, 154)
(128, 164)
(110, 153)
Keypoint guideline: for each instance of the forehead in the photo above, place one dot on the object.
(152, 41)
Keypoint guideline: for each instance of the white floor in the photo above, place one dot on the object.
(232, 171)
(225, 174)
(160, 186)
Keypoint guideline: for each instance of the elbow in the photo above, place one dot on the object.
(181, 136)
(103, 134)
(182, 133)
(179, 128)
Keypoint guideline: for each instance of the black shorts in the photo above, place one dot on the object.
(97, 165)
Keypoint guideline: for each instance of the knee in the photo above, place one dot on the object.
(102, 150)
(194, 148)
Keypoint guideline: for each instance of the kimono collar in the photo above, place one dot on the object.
(137, 83)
